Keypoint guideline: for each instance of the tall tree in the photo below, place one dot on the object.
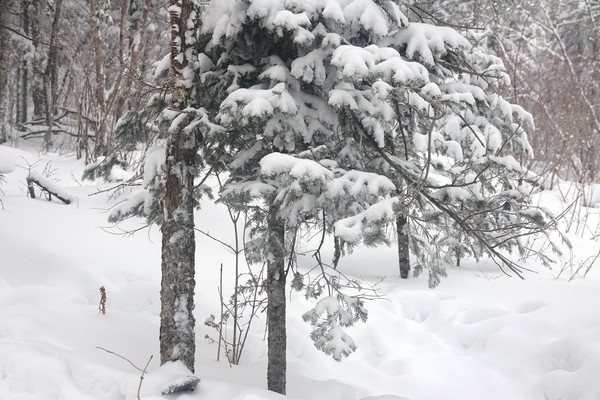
(102, 145)
(5, 24)
(51, 73)
(335, 115)
(177, 338)
(339, 112)
(23, 68)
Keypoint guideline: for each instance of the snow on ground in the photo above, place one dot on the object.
(479, 335)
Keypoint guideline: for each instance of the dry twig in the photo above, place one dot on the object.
(102, 305)
(143, 371)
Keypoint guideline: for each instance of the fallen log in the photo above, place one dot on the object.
(49, 187)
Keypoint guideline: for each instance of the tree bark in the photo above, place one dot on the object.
(277, 363)
(51, 75)
(5, 13)
(37, 85)
(177, 339)
(100, 148)
(403, 252)
(23, 73)
(22, 87)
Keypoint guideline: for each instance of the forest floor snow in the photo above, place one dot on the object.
(479, 335)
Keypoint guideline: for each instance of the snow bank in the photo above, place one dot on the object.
(9, 159)
(479, 335)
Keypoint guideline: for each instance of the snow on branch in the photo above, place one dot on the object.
(299, 168)
(360, 227)
(427, 42)
(329, 316)
(50, 187)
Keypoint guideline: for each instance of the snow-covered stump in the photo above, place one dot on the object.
(48, 186)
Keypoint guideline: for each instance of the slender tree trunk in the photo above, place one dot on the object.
(177, 339)
(129, 98)
(101, 145)
(5, 13)
(403, 252)
(22, 95)
(51, 75)
(276, 369)
(23, 84)
(37, 84)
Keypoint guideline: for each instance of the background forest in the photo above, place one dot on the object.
(78, 68)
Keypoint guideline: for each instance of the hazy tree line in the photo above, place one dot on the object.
(76, 68)
(551, 50)
(317, 119)
(93, 62)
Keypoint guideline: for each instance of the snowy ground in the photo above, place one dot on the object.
(479, 335)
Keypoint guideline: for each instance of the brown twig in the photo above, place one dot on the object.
(142, 377)
(143, 371)
(118, 355)
(102, 305)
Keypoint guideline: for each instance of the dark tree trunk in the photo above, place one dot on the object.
(37, 85)
(51, 75)
(177, 339)
(22, 93)
(276, 369)
(101, 147)
(5, 15)
(403, 252)
(23, 85)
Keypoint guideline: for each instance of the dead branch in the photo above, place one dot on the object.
(142, 377)
(102, 305)
(31, 180)
(143, 371)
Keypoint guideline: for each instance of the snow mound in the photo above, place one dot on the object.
(479, 335)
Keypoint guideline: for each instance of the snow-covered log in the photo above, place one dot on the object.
(49, 187)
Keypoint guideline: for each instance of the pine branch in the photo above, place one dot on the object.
(466, 227)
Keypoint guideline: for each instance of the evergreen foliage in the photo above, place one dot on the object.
(343, 114)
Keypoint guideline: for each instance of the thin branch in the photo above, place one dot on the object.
(230, 247)
(26, 37)
(142, 377)
(467, 229)
(120, 356)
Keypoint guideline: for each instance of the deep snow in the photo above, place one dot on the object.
(479, 335)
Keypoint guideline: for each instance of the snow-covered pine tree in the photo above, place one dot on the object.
(272, 87)
(311, 93)
(345, 115)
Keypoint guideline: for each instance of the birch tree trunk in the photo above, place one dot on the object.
(177, 339)
(277, 363)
